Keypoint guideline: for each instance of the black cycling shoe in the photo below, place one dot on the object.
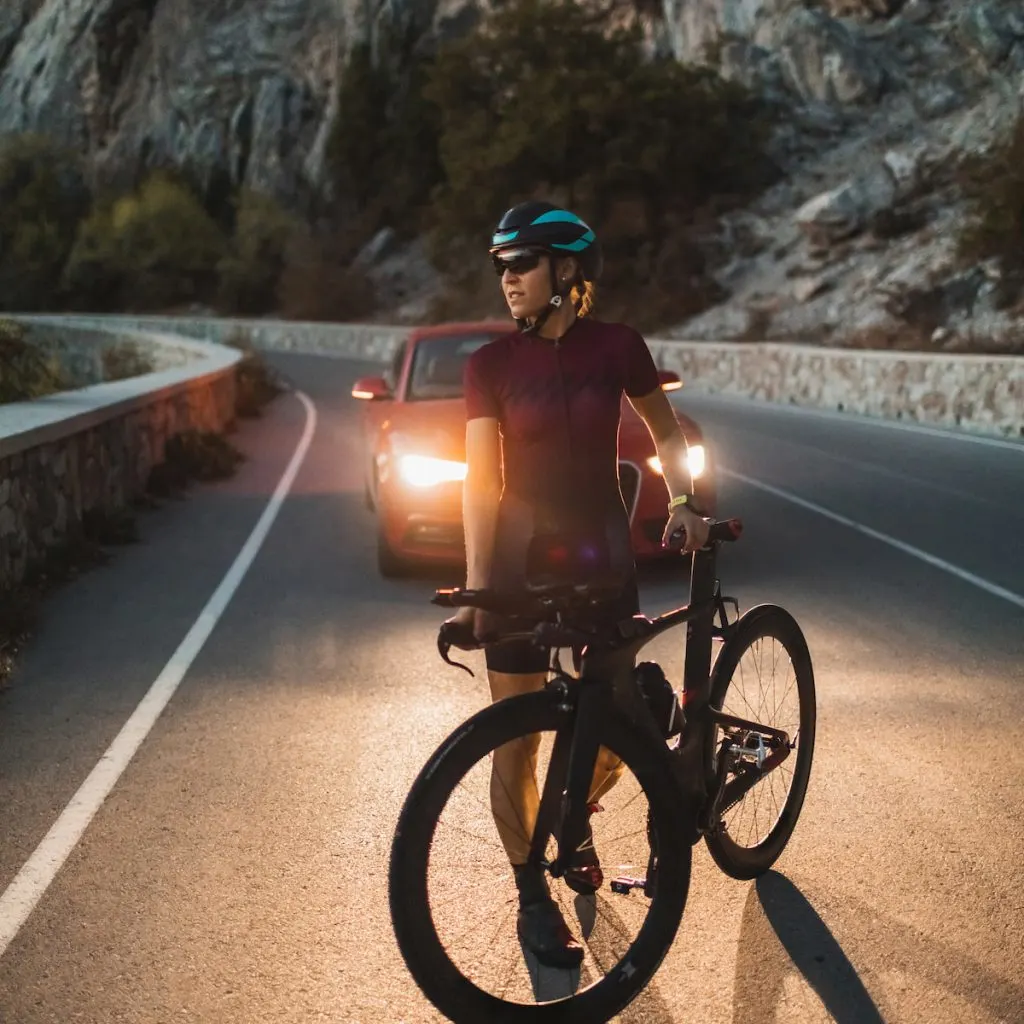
(584, 874)
(543, 931)
(540, 924)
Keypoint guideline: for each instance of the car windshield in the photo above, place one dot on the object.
(437, 365)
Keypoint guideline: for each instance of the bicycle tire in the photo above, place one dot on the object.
(428, 962)
(758, 623)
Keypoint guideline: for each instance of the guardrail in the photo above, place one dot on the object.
(67, 454)
(981, 393)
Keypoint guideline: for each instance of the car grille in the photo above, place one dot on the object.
(629, 485)
(443, 534)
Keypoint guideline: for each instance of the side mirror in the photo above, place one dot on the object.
(669, 380)
(371, 389)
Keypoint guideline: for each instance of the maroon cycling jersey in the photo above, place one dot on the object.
(558, 406)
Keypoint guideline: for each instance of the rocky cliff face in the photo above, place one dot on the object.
(239, 92)
(882, 99)
(878, 99)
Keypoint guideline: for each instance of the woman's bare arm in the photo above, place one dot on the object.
(656, 411)
(480, 497)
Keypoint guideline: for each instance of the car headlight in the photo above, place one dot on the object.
(695, 459)
(425, 471)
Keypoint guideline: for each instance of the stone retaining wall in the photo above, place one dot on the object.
(971, 392)
(67, 454)
(372, 342)
(977, 393)
(984, 394)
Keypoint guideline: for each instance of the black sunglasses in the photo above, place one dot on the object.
(518, 262)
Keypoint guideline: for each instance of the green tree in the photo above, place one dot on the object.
(355, 148)
(383, 147)
(548, 100)
(43, 196)
(252, 269)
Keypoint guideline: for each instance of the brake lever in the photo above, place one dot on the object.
(444, 644)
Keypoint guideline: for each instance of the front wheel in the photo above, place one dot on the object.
(763, 674)
(451, 888)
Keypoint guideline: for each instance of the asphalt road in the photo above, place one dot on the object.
(237, 869)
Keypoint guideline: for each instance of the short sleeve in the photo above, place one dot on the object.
(476, 386)
(641, 373)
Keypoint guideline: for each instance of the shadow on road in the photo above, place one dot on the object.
(776, 909)
(781, 931)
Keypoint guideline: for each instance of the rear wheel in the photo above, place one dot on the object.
(452, 893)
(763, 674)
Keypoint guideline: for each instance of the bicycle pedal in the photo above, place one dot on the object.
(623, 884)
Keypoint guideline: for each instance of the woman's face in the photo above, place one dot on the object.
(526, 283)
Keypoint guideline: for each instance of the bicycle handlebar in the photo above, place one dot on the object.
(723, 531)
(542, 600)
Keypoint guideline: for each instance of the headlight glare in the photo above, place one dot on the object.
(695, 457)
(425, 471)
(695, 460)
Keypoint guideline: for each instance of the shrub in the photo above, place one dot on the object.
(27, 371)
(43, 197)
(125, 359)
(994, 186)
(319, 282)
(202, 455)
(256, 382)
(251, 271)
(148, 250)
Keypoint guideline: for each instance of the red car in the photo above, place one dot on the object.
(414, 432)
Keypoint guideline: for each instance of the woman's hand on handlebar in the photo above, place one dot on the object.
(683, 521)
(471, 622)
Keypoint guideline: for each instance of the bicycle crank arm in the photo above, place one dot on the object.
(738, 788)
(624, 884)
(741, 723)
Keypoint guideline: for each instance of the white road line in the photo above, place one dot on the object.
(908, 549)
(22, 895)
(849, 418)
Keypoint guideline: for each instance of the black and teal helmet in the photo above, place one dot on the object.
(541, 225)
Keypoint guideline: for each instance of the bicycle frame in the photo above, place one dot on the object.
(606, 679)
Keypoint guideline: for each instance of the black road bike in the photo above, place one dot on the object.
(620, 766)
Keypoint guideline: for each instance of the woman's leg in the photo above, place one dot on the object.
(607, 771)
(514, 794)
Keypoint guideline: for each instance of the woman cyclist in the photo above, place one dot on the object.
(541, 491)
